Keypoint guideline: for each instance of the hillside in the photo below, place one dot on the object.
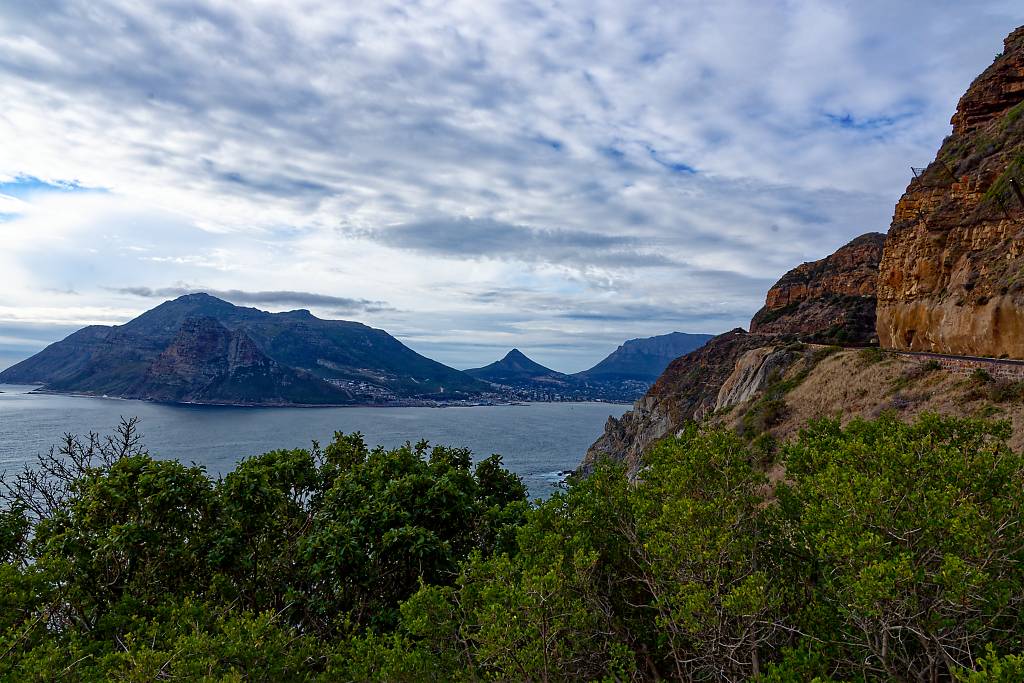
(201, 348)
(951, 277)
(829, 299)
(854, 383)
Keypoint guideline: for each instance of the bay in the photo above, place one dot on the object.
(537, 440)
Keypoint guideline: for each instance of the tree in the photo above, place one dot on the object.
(911, 536)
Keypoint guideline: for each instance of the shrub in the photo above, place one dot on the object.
(871, 354)
(890, 551)
(115, 552)
(1006, 391)
(980, 376)
(906, 530)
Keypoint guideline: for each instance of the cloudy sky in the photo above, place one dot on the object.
(468, 175)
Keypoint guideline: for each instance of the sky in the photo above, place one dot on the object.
(470, 176)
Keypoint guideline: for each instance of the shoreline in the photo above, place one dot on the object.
(401, 403)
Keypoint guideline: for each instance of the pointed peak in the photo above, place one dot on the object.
(515, 354)
(199, 297)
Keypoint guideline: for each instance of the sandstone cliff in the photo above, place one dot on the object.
(831, 300)
(952, 275)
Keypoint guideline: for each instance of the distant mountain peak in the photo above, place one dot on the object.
(197, 296)
(515, 367)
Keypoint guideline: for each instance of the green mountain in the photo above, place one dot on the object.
(203, 349)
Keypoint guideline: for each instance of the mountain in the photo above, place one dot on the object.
(203, 349)
(515, 369)
(951, 277)
(831, 300)
(208, 363)
(643, 360)
(624, 375)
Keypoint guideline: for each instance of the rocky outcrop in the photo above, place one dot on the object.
(831, 300)
(752, 372)
(952, 275)
(687, 390)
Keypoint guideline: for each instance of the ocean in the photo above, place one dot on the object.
(537, 440)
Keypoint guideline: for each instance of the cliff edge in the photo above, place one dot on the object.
(831, 300)
(952, 276)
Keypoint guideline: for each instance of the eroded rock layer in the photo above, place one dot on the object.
(831, 300)
(952, 275)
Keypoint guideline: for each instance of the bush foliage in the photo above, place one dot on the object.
(889, 551)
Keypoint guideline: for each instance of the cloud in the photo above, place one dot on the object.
(487, 238)
(616, 169)
(271, 298)
(19, 340)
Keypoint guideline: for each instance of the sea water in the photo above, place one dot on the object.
(538, 441)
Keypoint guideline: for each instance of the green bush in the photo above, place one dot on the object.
(111, 561)
(890, 551)
(871, 354)
(980, 376)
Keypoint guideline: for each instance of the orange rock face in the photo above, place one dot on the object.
(952, 274)
(830, 300)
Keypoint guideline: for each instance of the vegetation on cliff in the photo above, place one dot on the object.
(890, 552)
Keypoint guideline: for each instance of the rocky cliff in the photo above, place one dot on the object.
(952, 275)
(687, 390)
(208, 363)
(831, 300)
(950, 278)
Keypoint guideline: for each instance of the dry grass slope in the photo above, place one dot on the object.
(864, 383)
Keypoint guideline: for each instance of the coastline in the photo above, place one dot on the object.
(400, 403)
